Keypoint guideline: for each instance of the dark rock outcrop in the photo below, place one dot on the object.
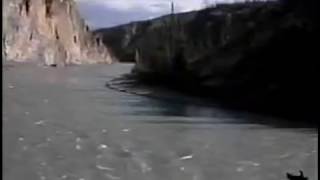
(294, 177)
(260, 56)
(49, 32)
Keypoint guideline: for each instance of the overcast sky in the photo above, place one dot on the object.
(107, 13)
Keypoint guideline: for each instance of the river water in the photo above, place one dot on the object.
(64, 123)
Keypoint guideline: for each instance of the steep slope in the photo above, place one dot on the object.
(49, 32)
(260, 56)
(124, 39)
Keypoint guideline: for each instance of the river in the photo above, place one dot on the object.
(64, 123)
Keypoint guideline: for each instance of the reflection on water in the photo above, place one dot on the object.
(163, 102)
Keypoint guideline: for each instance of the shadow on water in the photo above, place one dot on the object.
(193, 110)
(199, 115)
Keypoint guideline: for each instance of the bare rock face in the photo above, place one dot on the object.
(49, 32)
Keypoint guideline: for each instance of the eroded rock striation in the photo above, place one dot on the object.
(49, 32)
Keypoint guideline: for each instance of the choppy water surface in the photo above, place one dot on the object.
(66, 124)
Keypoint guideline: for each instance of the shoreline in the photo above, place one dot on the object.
(201, 99)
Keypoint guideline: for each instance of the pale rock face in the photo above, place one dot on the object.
(49, 32)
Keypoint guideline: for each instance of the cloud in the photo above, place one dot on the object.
(100, 15)
(106, 13)
(155, 6)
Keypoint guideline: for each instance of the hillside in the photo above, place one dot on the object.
(194, 27)
(259, 56)
(124, 39)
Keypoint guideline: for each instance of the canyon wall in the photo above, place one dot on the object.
(49, 32)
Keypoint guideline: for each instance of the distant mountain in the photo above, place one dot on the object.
(124, 39)
(49, 32)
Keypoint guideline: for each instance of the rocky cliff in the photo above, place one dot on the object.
(49, 32)
(260, 56)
